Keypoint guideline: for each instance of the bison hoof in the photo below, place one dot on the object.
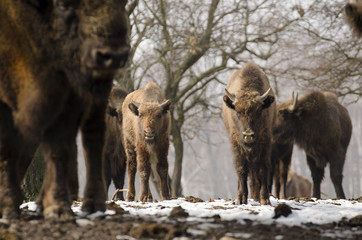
(90, 206)
(265, 202)
(129, 198)
(63, 214)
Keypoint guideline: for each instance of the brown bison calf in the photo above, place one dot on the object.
(57, 62)
(146, 130)
(248, 113)
(353, 15)
(114, 154)
(321, 126)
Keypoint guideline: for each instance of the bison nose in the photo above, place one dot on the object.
(149, 135)
(248, 136)
(108, 59)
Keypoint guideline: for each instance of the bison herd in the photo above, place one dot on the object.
(57, 63)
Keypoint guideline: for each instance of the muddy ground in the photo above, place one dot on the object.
(123, 225)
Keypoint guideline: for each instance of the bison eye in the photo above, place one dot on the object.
(159, 115)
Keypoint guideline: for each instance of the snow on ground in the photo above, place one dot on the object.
(314, 211)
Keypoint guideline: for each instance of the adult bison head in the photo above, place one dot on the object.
(152, 118)
(288, 113)
(248, 106)
(89, 39)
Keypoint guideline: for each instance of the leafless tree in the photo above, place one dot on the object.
(319, 51)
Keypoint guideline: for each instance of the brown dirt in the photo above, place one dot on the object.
(122, 225)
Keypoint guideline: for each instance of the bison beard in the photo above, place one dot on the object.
(321, 126)
(248, 113)
(57, 62)
(146, 129)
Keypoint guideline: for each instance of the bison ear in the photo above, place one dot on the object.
(134, 108)
(165, 106)
(268, 101)
(228, 102)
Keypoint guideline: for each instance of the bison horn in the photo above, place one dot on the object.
(295, 101)
(265, 95)
(136, 104)
(164, 104)
(230, 96)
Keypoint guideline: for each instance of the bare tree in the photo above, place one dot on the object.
(320, 52)
(187, 46)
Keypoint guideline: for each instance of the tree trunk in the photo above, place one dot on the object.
(33, 179)
(176, 188)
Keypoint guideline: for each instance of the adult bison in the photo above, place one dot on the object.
(57, 62)
(248, 113)
(321, 126)
(114, 154)
(353, 15)
(146, 130)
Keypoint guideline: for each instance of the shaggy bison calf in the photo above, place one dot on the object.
(114, 154)
(321, 126)
(146, 130)
(57, 62)
(248, 113)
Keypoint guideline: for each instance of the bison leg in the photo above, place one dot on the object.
(132, 169)
(264, 193)
(242, 173)
(118, 181)
(254, 185)
(336, 169)
(13, 165)
(107, 172)
(317, 176)
(93, 131)
(162, 169)
(55, 193)
(144, 169)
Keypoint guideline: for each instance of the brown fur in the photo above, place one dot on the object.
(322, 127)
(248, 113)
(114, 153)
(353, 16)
(298, 186)
(57, 62)
(146, 130)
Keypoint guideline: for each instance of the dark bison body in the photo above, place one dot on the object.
(57, 62)
(146, 131)
(114, 154)
(353, 15)
(248, 113)
(322, 128)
